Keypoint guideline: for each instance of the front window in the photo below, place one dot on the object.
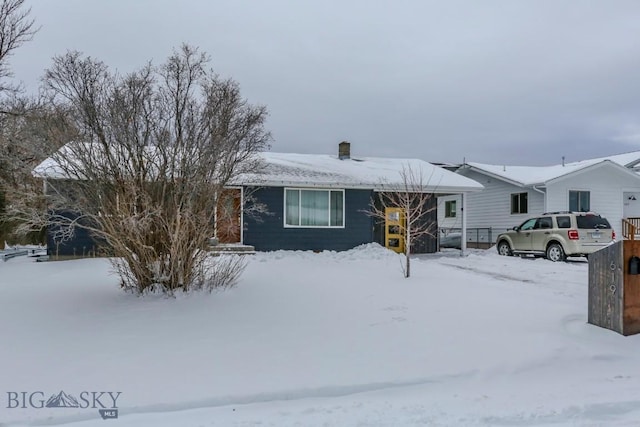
(450, 209)
(519, 203)
(314, 208)
(579, 201)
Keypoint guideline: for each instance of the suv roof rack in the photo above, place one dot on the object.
(557, 213)
(569, 213)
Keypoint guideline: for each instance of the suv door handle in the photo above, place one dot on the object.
(547, 232)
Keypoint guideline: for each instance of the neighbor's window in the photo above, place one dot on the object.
(314, 208)
(519, 203)
(579, 201)
(450, 209)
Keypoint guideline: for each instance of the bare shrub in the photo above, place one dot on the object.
(222, 271)
(158, 147)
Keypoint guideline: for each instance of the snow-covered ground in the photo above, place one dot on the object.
(335, 339)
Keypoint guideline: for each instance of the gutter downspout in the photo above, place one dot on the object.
(544, 197)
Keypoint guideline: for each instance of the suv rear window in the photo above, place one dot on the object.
(592, 221)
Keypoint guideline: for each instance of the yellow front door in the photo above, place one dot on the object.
(394, 229)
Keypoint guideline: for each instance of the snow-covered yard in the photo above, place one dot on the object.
(305, 339)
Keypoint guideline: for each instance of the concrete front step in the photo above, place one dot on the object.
(232, 248)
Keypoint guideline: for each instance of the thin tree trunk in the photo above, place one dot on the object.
(407, 269)
(407, 245)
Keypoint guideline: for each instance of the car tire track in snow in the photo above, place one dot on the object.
(488, 273)
(595, 414)
(288, 395)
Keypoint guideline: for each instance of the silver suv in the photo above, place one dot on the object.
(556, 235)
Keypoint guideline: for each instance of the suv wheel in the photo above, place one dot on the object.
(504, 248)
(555, 252)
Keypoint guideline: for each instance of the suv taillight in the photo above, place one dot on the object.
(573, 234)
(613, 234)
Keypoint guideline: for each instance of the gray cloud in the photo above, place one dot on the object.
(492, 81)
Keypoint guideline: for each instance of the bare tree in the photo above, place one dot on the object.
(16, 28)
(28, 135)
(415, 207)
(158, 147)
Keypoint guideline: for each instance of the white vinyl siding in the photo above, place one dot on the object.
(631, 207)
(606, 187)
(444, 221)
(491, 207)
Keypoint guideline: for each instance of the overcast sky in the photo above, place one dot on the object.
(503, 82)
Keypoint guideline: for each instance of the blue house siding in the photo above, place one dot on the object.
(81, 244)
(428, 244)
(269, 234)
(423, 245)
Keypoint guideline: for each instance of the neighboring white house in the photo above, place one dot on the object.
(609, 186)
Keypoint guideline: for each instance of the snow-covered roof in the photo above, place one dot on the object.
(65, 161)
(539, 175)
(625, 159)
(49, 167)
(318, 170)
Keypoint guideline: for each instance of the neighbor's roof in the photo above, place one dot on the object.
(539, 175)
(318, 170)
(625, 159)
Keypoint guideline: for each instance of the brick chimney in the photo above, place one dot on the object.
(344, 150)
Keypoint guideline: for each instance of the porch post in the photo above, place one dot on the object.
(463, 237)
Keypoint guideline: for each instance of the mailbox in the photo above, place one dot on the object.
(634, 265)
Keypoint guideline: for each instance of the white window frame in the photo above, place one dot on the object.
(448, 213)
(578, 191)
(519, 196)
(328, 190)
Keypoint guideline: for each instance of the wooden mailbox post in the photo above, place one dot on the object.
(614, 287)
